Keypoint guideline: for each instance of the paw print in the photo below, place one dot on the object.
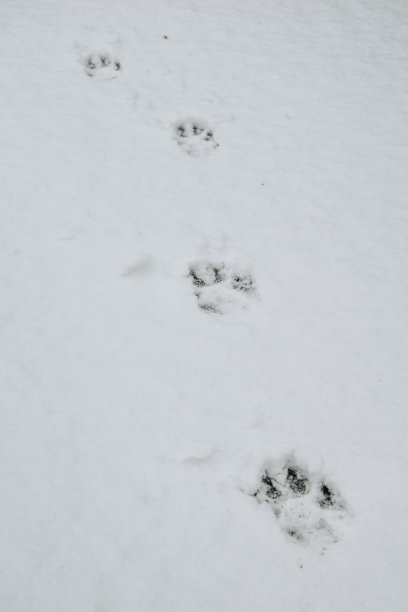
(195, 137)
(307, 507)
(219, 288)
(102, 66)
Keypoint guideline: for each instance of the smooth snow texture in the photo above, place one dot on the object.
(135, 425)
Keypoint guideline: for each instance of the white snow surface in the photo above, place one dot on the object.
(135, 424)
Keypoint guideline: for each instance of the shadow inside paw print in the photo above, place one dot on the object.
(243, 283)
(297, 481)
(216, 286)
(307, 508)
(194, 137)
(270, 487)
(207, 275)
(329, 498)
(102, 66)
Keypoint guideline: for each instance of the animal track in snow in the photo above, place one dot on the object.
(195, 138)
(102, 66)
(219, 287)
(308, 508)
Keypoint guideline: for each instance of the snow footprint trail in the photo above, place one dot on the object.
(308, 508)
(220, 288)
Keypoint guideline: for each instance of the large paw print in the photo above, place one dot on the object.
(195, 138)
(220, 288)
(308, 508)
(102, 66)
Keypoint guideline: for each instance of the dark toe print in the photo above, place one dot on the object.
(297, 481)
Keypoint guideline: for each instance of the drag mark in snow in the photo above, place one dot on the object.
(102, 66)
(195, 137)
(220, 288)
(308, 509)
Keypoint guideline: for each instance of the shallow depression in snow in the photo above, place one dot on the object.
(308, 509)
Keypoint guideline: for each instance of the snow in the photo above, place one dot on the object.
(135, 425)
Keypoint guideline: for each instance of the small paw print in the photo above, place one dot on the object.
(102, 66)
(195, 137)
(219, 288)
